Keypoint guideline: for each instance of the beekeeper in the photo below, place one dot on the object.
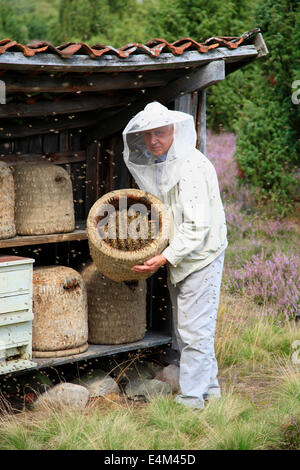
(160, 152)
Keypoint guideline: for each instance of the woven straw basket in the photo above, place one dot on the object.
(60, 324)
(114, 262)
(44, 199)
(7, 202)
(116, 311)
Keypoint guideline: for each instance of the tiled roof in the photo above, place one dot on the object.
(153, 48)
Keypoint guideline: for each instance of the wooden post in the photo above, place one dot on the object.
(201, 122)
(195, 104)
(92, 175)
(187, 103)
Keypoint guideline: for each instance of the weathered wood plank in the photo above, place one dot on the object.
(187, 103)
(191, 81)
(121, 175)
(50, 143)
(150, 340)
(110, 63)
(5, 148)
(36, 126)
(58, 158)
(197, 79)
(21, 83)
(92, 174)
(21, 145)
(64, 141)
(79, 234)
(201, 122)
(260, 45)
(78, 175)
(35, 144)
(77, 104)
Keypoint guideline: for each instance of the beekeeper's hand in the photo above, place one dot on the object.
(151, 265)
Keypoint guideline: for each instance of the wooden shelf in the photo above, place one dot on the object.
(78, 234)
(150, 340)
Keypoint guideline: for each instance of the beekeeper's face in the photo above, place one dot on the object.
(159, 140)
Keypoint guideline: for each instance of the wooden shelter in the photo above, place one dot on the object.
(70, 104)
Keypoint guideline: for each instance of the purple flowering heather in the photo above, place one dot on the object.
(274, 280)
(220, 151)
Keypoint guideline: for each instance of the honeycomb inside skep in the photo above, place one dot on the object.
(129, 229)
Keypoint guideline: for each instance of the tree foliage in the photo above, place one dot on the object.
(269, 122)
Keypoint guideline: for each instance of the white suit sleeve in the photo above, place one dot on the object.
(194, 202)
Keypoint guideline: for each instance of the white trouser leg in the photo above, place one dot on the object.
(195, 302)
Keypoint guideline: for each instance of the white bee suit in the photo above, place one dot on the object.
(188, 186)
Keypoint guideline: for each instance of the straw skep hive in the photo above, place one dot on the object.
(7, 202)
(125, 228)
(116, 311)
(43, 199)
(60, 324)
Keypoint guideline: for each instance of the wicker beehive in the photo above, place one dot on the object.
(60, 324)
(116, 310)
(7, 202)
(43, 199)
(114, 257)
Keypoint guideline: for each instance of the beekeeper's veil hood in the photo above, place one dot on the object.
(139, 160)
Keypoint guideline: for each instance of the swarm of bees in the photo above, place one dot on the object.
(129, 232)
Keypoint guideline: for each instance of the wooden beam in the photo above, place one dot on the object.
(260, 45)
(75, 105)
(59, 158)
(199, 78)
(53, 125)
(24, 83)
(111, 63)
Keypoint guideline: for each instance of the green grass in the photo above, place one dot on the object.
(230, 422)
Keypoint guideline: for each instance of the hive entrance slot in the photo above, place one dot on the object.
(13, 354)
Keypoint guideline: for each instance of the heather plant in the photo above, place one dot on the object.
(291, 434)
(273, 280)
(220, 151)
(259, 261)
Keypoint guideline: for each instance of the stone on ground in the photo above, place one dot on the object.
(98, 383)
(63, 395)
(170, 375)
(144, 389)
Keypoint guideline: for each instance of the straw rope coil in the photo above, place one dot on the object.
(7, 202)
(43, 199)
(60, 325)
(116, 311)
(115, 256)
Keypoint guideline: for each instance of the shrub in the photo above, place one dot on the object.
(273, 280)
(291, 434)
(268, 126)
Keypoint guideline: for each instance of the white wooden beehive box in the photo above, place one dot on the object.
(15, 313)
